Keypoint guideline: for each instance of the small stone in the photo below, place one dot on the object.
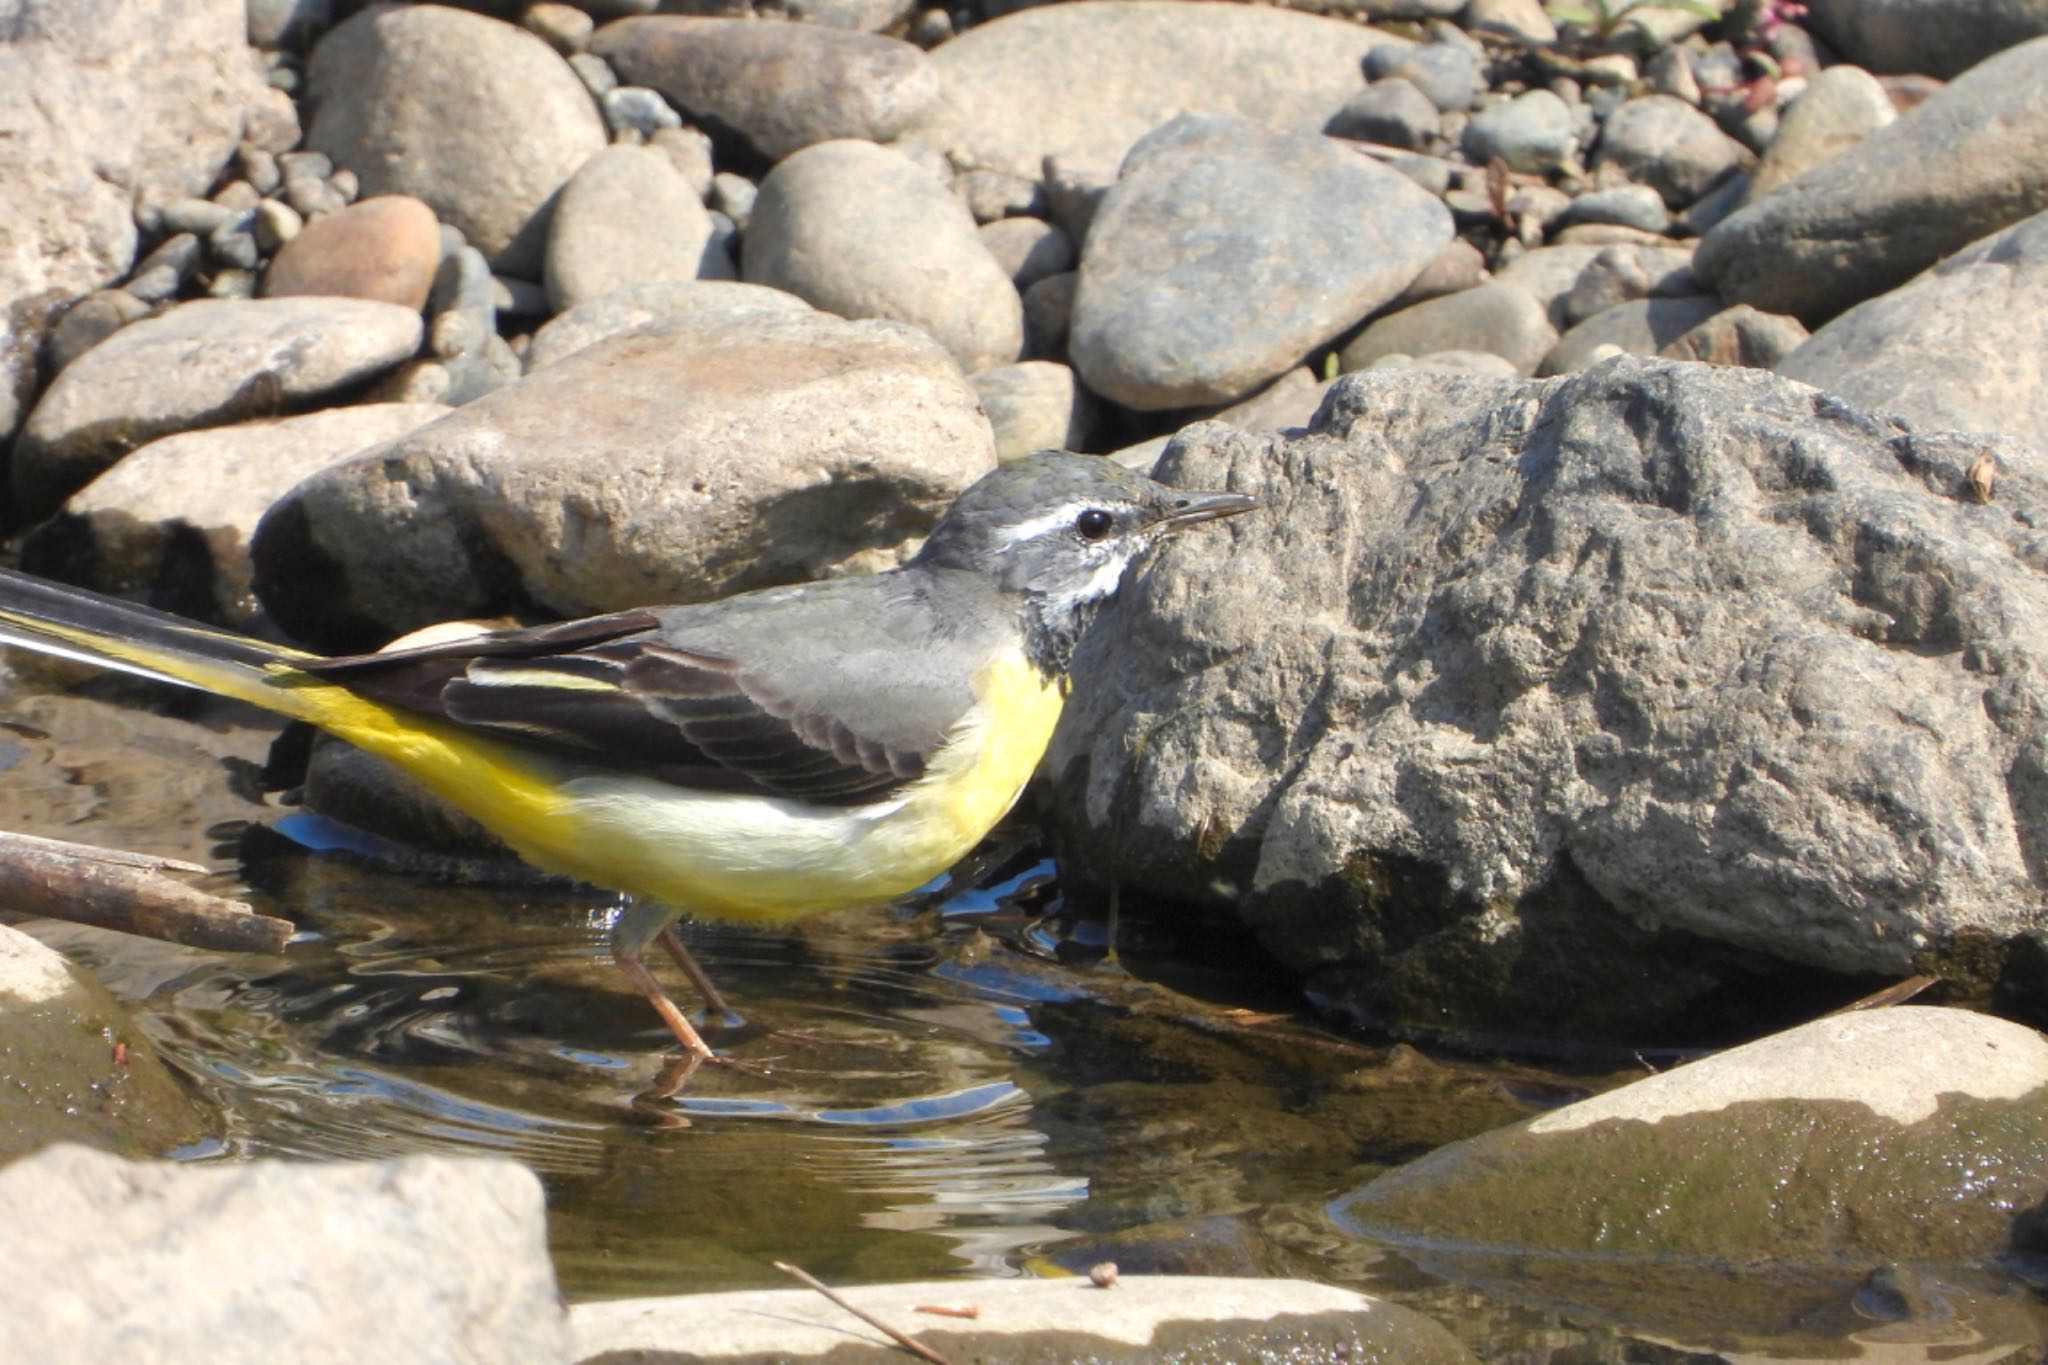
(1520, 21)
(519, 298)
(1641, 327)
(1451, 76)
(1670, 73)
(689, 151)
(626, 217)
(270, 120)
(1668, 145)
(1741, 335)
(1459, 266)
(158, 276)
(1619, 274)
(88, 322)
(233, 243)
(345, 185)
(236, 196)
(1532, 133)
(564, 28)
(1103, 1275)
(1539, 206)
(1048, 313)
(192, 215)
(259, 168)
(1636, 206)
(1073, 189)
(930, 28)
(1028, 249)
(596, 74)
(637, 113)
(1841, 106)
(733, 195)
(1611, 69)
(1034, 405)
(276, 224)
(1391, 112)
(994, 195)
(385, 248)
(1494, 318)
(314, 165)
(311, 197)
(862, 231)
(232, 283)
(1431, 174)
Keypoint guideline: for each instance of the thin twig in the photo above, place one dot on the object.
(903, 1339)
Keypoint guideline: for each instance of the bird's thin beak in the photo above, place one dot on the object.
(1191, 507)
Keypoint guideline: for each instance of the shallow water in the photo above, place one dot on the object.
(957, 1086)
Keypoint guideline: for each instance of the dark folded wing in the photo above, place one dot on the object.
(612, 689)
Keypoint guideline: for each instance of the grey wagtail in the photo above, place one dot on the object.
(756, 758)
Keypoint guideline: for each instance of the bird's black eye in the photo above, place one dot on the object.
(1094, 523)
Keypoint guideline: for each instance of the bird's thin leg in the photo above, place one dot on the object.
(714, 1003)
(686, 1033)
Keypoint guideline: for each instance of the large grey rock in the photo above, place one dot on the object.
(1840, 107)
(694, 457)
(1145, 1317)
(1961, 346)
(205, 363)
(173, 519)
(1894, 1137)
(102, 103)
(1664, 143)
(481, 120)
(423, 1258)
(1513, 694)
(623, 310)
(1087, 79)
(59, 1033)
(1495, 318)
(773, 88)
(1962, 165)
(1202, 277)
(1926, 37)
(861, 231)
(626, 217)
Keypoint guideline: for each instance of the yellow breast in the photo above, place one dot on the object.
(747, 857)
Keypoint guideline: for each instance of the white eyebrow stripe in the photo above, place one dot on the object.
(1063, 515)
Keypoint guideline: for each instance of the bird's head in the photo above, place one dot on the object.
(1058, 530)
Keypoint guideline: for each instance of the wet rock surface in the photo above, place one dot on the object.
(1617, 662)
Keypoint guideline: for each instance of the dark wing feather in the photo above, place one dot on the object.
(613, 688)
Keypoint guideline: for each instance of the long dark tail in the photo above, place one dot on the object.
(72, 623)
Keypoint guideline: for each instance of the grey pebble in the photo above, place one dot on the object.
(276, 224)
(232, 283)
(1073, 189)
(259, 168)
(1048, 315)
(91, 320)
(732, 195)
(596, 74)
(993, 195)
(1028, 249)
(637, 112)
(1451, 76)
(1636, 206)
(193, 215)
(689, 151)
(1532, 132)
(236, 196)
(317, 165)
(1391, 112)
(1667, 144)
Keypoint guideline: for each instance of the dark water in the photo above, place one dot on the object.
(958, 1086)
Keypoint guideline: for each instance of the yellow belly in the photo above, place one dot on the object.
(729, 856)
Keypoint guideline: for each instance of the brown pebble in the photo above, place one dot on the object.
(385, 248)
